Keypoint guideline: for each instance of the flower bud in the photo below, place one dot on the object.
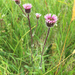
(17, 1)
(38, 15)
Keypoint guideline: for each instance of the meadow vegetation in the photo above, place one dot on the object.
(15, 39)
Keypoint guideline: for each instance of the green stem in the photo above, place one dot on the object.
(44, 46)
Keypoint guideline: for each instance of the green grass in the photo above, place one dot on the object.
(15, 48)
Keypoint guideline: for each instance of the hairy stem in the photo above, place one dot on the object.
(44, 46)
(31, 38)
(23, 11)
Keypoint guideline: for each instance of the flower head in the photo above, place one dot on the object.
(38, 15)
(50, 20)
(17, 1)
(27, 7)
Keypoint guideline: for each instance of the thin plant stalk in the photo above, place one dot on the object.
(23, 11)
(35, 29)
(44, 46)
(36, 26)
(31, 38)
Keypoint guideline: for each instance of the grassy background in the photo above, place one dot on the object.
(15, 40)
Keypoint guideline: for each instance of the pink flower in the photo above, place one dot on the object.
(17, 1)
(27, 7)
(38, 15)
(50, 20)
